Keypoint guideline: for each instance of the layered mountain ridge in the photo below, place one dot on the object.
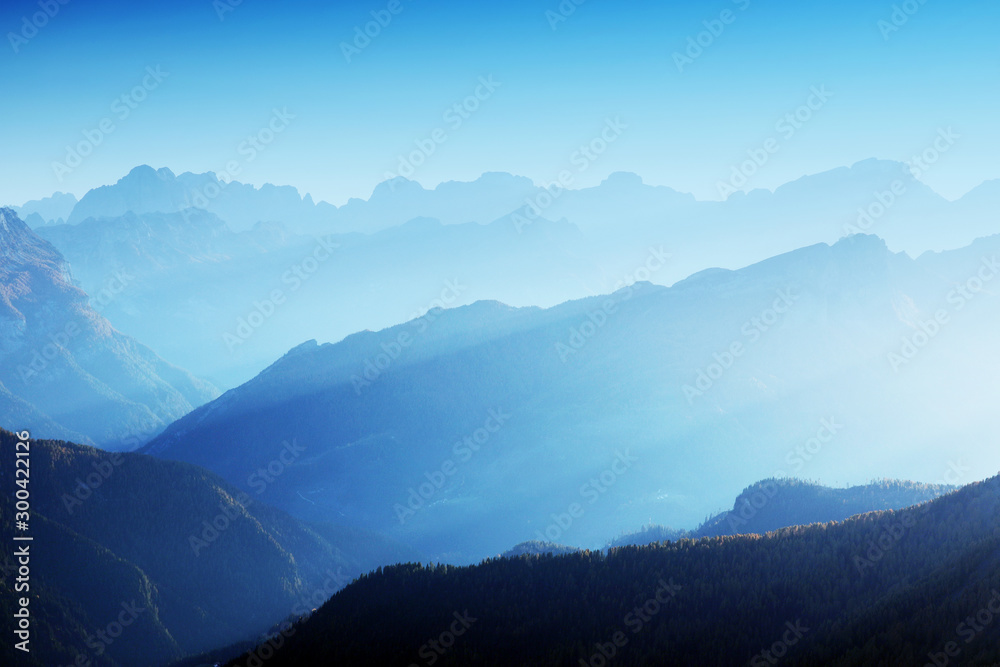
(491, 416)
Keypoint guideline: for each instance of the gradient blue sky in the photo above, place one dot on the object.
(685, 129)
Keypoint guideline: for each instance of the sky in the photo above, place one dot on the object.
(297, 94)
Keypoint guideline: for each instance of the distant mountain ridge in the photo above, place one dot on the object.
(870, 196)
(538, 548)
(524, 245)
(329, 285)
(145, 190)
(52, 210)
(774, 504)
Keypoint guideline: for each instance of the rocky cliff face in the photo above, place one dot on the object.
(64, 370)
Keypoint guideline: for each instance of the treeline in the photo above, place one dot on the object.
(773, 504)
(883, 588)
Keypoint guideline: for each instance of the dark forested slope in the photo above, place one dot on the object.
(883, 588)
(203, 563)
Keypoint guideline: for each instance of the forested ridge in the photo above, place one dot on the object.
(782, 502)
(205, 564)
(882, 588)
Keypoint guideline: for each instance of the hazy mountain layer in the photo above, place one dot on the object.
(485, 426)
(64, 371)
(229, 304)
(373, 263)
(48, 210)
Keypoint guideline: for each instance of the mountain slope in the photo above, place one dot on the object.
(207, 564)
(881, 588)
(66, 362)
(646, 406)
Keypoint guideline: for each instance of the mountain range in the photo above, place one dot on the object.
(508, 365)
(487, 425)
(876, 196)
(500, 237)
(271, 288)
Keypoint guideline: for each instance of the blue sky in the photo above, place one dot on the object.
(558, 86)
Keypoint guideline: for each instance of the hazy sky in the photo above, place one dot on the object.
(559, 83)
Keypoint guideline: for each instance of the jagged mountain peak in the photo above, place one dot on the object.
(67, 362)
